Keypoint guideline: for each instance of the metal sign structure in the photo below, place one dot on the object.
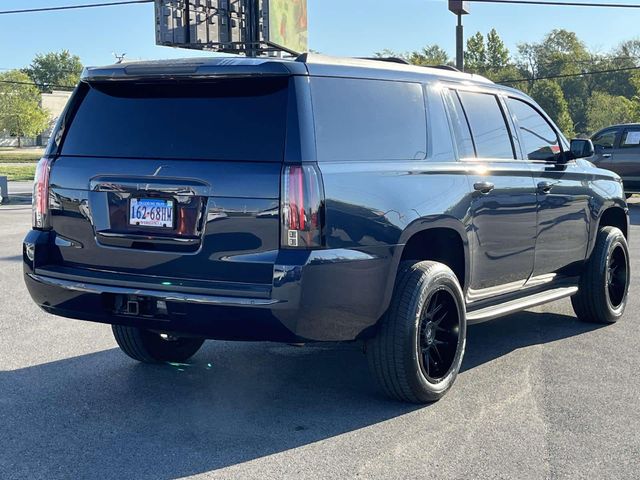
(252, 27)
(459, 7)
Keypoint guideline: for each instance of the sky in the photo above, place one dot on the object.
(336, 27)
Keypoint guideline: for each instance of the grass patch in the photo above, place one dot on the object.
(18, 172)
(18, 156)
(19, 160)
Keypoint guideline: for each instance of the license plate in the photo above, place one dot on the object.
(151, 212)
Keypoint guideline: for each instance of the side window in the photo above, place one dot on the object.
(369, 119)
(440, 141)
(605, 140)
(539, 140)
(460, 126)
(488, 126)
(631, 138)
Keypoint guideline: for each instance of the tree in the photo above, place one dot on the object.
(549, 96)
(635, 82)
(604, 109)
(55, 68)
(497, 53)
(20, 111)
(490, 58)
(428, 56)
(561, 53)
(475, 55)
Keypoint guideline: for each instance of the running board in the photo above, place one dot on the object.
(513, 306)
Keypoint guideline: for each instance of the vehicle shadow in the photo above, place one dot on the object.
(13, 258)
(491, 340)
(237, 402)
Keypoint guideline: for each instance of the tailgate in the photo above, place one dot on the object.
(170, 182)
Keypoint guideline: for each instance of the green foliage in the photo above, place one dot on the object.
(497, 53)
(556, 72)
(475, 55)
(604, 109)
(20, 110)
(550, 97)
(490, 58)
(561, 53)
(55, 68)
(428, 56)
(18, 172)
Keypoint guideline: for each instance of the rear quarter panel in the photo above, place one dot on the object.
(376, 207)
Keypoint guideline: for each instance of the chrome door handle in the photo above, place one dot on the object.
(606, 155)
(483, 187)
(545, 187)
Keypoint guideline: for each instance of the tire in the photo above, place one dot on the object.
(604, 284)
(408, 357)
(150, 347)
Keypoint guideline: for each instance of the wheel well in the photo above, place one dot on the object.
(442, 245)
(614, 217)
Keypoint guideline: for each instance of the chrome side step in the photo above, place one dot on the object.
(488, 313)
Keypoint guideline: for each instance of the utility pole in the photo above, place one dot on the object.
(460, 8)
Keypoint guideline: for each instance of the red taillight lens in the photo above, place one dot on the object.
(302, 204)
(40, 205)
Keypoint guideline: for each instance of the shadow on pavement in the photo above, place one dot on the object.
(491, 340)
(18, 199)
(13, 258)
(102, 412)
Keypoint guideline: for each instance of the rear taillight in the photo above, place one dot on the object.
(40, 205)
(302, 207)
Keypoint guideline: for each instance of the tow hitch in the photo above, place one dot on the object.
(136, 306)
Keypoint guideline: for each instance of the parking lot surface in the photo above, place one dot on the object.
(540, 395)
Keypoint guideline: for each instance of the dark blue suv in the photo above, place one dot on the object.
(317, 200)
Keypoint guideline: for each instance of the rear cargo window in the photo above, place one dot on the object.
(369, 120)
(231, 119)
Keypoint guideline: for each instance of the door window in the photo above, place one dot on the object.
(605, 140)
(539, 140)
(631, 138)
(488, 126)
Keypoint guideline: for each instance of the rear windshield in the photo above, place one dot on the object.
(231, 119)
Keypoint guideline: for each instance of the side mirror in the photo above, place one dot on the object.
(581, 148)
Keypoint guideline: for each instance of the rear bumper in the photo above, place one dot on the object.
(324, 295)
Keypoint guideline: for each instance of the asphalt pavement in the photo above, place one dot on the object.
(540, 395)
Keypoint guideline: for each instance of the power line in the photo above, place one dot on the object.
(74, 7)
(48, 85)
(560, 3)
(569, 75)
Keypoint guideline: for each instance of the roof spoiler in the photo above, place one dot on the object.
(191, 68)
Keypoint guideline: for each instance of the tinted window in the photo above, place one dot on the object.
(240, 119)
(490, 133)
(460, 127)
(439, 133)
(631, 138)
(539, 140)
(368, 119)
(605, 139)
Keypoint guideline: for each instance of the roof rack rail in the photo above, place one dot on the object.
(446, 67)
(387, 59)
